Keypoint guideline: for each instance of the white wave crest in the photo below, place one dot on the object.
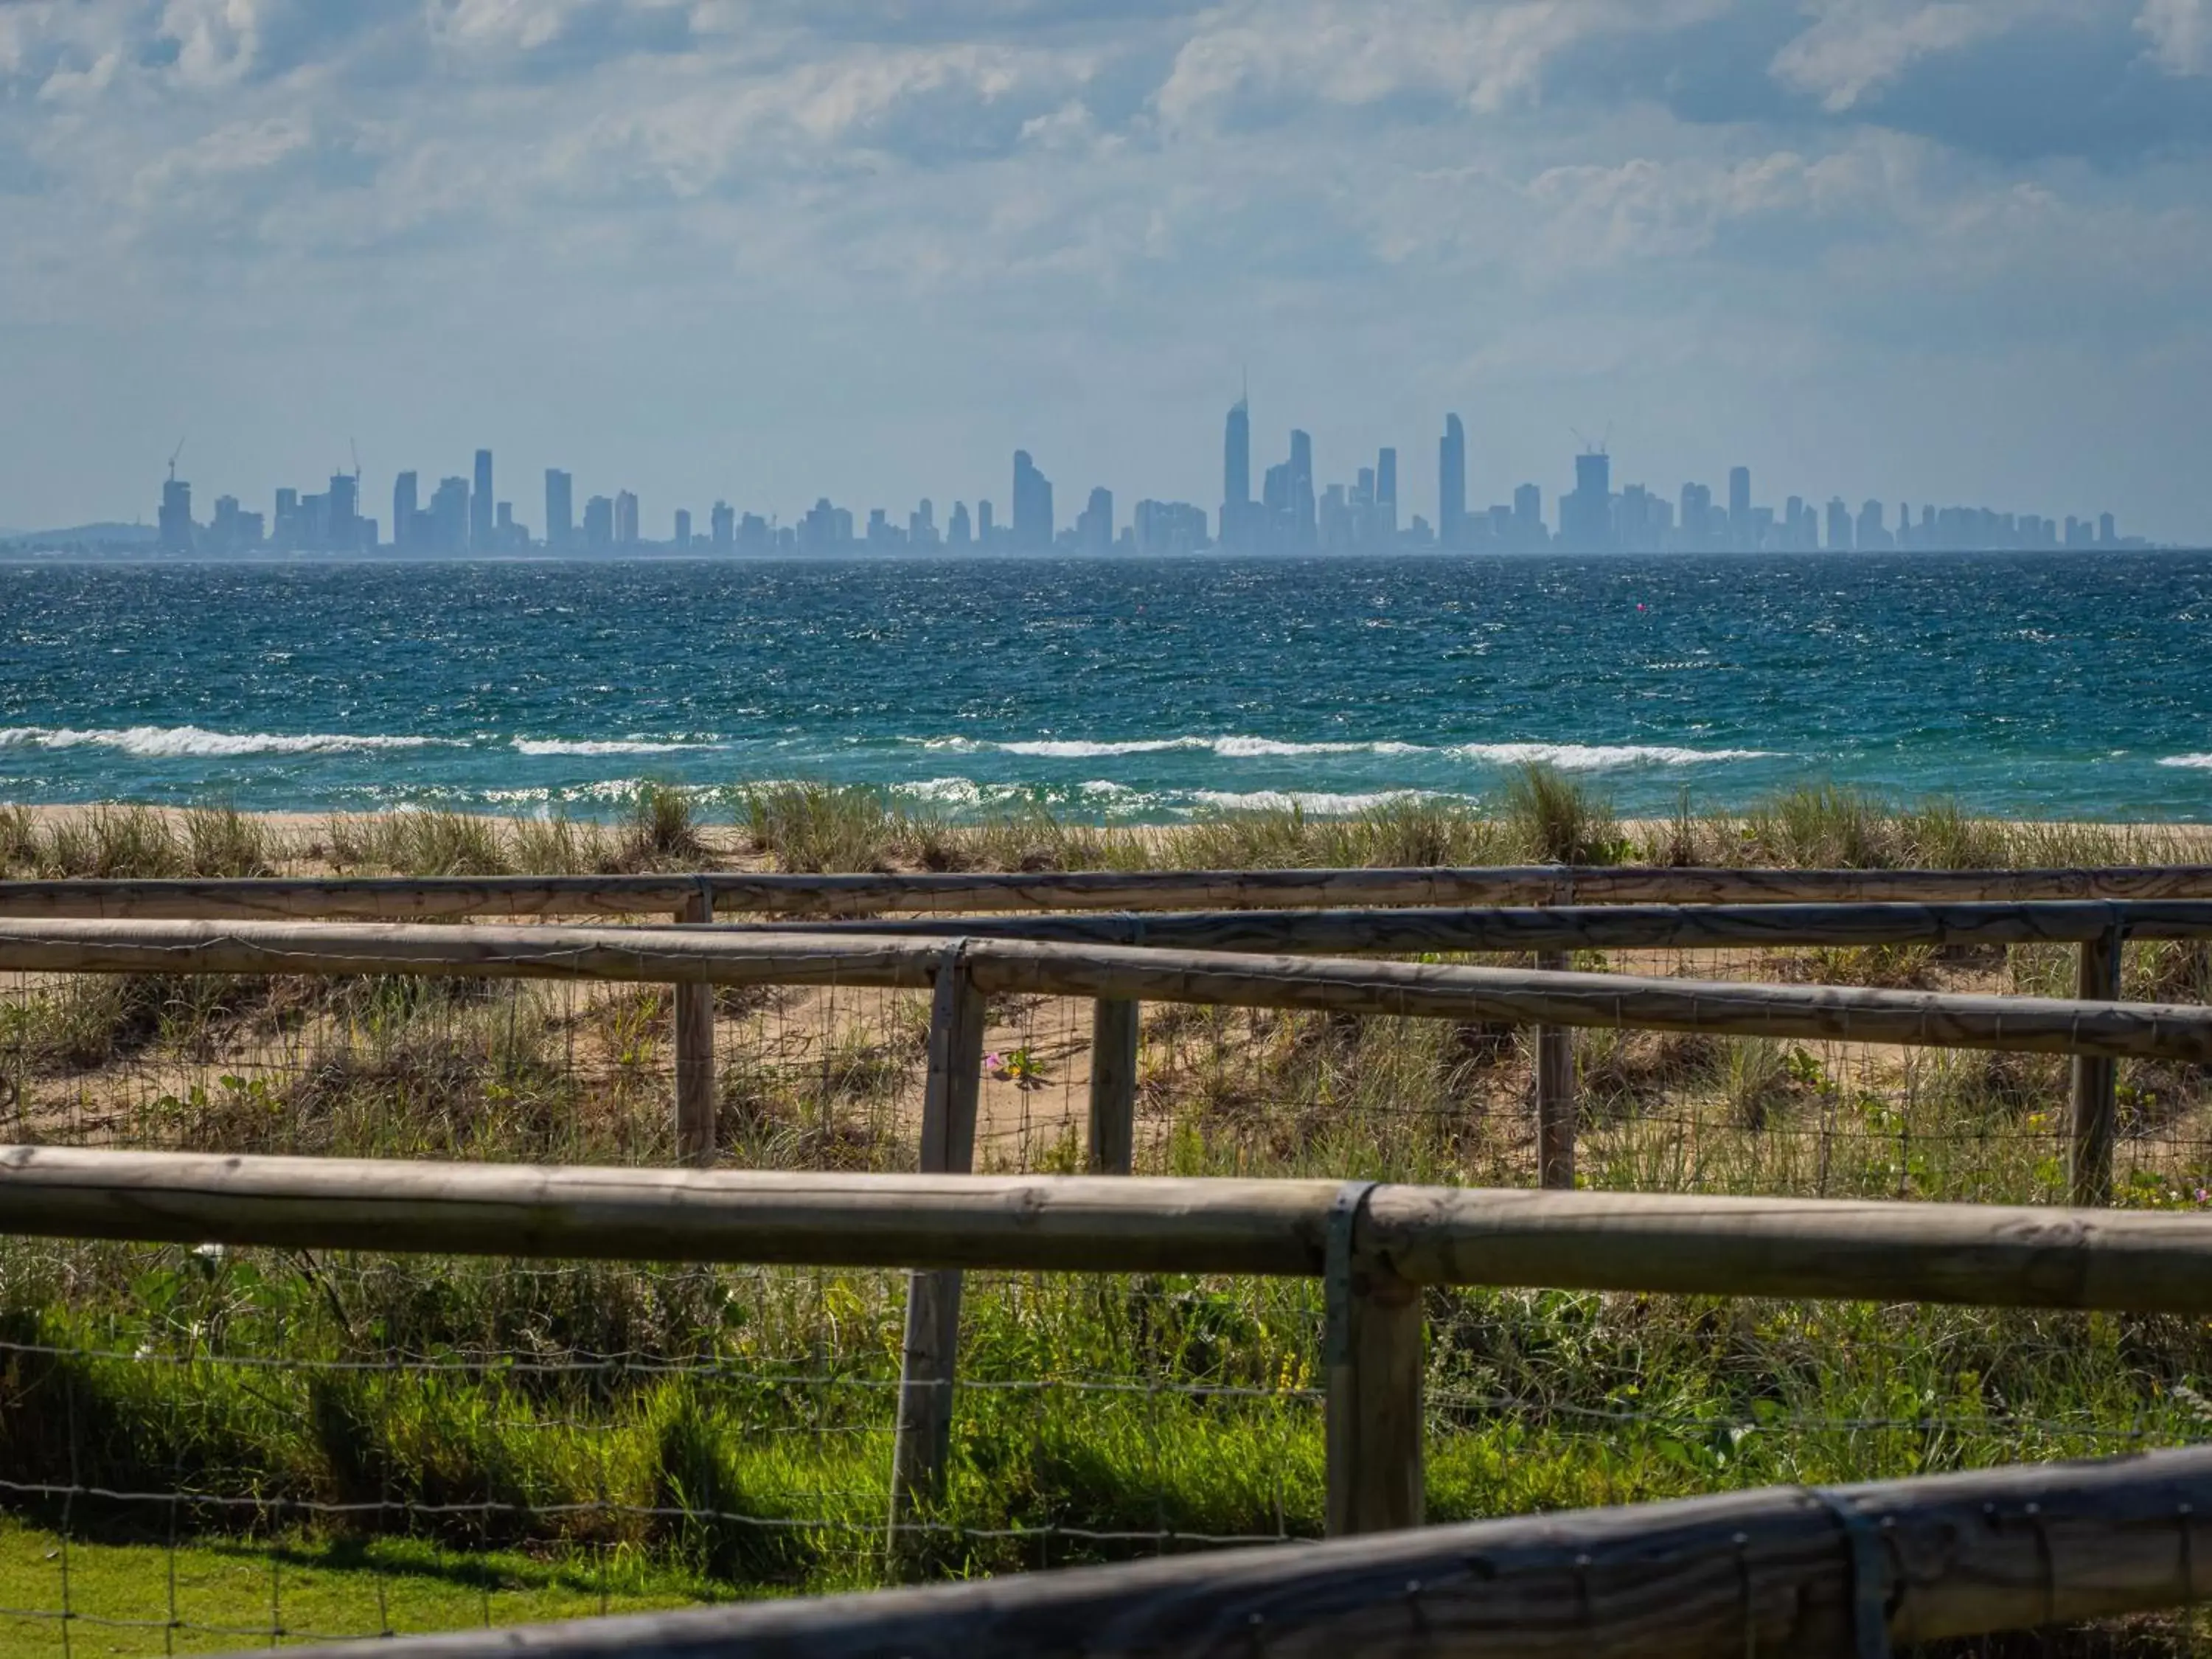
(1592, 757)
(2202, 763)
(1319, 804)
(1228, 748)
(1255, 748)
(598, 746)
(167, 742)
(1076, 748)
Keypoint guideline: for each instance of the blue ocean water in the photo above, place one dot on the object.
(1120, 691)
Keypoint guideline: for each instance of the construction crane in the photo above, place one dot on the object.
(173, 454)
(355, 449)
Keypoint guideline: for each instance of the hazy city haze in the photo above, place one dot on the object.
(771, 253)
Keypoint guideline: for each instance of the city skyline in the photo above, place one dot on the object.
(1294, 510)
(1951, 251)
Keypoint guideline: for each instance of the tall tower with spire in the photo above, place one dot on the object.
(1451, 484)
(1237, 473)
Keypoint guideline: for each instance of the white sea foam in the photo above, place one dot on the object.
(2201, 762)
(1319, 804)
(598, 746)
(1228, 748)
(1596, 757)
(165, 742)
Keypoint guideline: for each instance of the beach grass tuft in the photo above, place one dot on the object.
(821, 827)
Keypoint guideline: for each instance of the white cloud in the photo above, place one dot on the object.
(659, 224)
(216, 40)
(1858, 46)
(2181, 33)
(1356, 52)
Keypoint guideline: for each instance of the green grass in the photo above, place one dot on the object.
(213, 1596)
(1099, 1416)
(1538, 815)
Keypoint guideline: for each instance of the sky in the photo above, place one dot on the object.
(767, 250)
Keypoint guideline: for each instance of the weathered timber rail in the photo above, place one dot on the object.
(1548, 928)
(1420, 990)
(1976, 1254)
(1835, 1573)
(1547, 908)
(406, 898)
(1374, 1248)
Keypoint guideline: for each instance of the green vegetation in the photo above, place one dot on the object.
(1539, 815)
(382, 1441)
(216, 1596)
(138, 842)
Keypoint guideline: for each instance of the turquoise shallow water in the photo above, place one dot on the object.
(1136, 690)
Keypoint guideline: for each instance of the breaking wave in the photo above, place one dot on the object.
(156, 742)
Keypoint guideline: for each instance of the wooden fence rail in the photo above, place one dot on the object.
(2099, 927)
(1980, 1255)
(1374, 1247)
(1351, 986)
(1837, 1573)
(415, 898)
(1761, 907)
(1547, 928)
(1117, 977)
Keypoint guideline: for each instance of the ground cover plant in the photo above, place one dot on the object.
(384, 1433)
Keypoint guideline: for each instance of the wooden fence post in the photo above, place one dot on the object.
(2093, 1124)
(923, 1443)
(694, 1053)
(1555, 1093)
(1372, 1364)
(1114, 1027)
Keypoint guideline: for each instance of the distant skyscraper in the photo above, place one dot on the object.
(176, 516)
(1033, 514)
(625, 519)
(1529, 516)
(560, 509)
(1839, 525)
(682, 537)
(403, 508)
(1586, 516)
(957, 531)
(1386, 491)
(481, 504)
(1302, 529)
(342, 514)
(449, 517)
(1696, 514)
(598, 524)
(1451, 484)
(1740, 531)
(723, 523)
(985, 530)
(1236, 475)
(1094, 526)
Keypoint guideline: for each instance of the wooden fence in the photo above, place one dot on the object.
(2092, 1026)
(1835, 1573)
(1373, 1246)
(414, 897)
(1373, 1350)
(1551, 913)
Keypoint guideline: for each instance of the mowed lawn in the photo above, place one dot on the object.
(227, 1595)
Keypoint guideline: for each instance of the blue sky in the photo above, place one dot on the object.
(767, 250)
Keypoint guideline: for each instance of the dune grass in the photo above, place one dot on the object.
(1538, 815)
(706, 1433)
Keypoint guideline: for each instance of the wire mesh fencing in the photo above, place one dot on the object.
(207, 1449)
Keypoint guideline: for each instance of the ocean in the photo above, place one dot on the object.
(1116, 690)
